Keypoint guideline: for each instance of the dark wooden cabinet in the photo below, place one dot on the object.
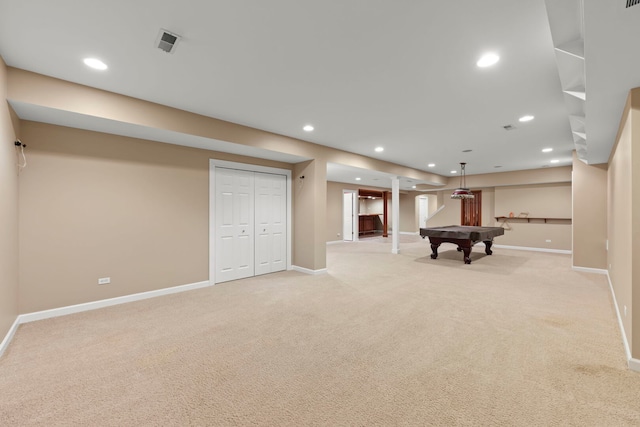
(368, 224)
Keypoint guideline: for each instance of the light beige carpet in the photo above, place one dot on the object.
(516, 338)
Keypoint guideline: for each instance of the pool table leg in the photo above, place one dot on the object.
(434, 250)
(487, 247)
(467, 254)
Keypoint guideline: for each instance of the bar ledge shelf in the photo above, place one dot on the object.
(505, 219)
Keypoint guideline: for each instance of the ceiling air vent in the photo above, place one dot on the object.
(632, 2)
(508, 127)
(167, 41)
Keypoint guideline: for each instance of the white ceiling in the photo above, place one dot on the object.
(399, 74)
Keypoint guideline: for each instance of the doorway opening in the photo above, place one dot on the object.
(372, 213)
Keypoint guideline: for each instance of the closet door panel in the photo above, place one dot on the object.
(263, 223)
(234, 208)
(271, 223)
(279, 223)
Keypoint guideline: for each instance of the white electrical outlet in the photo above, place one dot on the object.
(548, 240)
(338, 234)
(625, 311)
(104, 280)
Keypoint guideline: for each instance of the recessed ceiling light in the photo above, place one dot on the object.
(454, 171)
(547, 150)
(431, 165)
(487, 60)
(307, 128)
(554, 161)
(95, 63)
(413, 186)
(358, 179)
(379, 149)
(525, 119)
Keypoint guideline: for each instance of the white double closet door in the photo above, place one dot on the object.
(251, 223)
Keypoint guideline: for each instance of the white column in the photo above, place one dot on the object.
(395, 215)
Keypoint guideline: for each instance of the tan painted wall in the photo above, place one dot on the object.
(546, 201)
(51, 93)
(488, 206)
(518, 191)
(499, 179)
(408, 219)
(309, 214)
(97, 205)
(540, 200)
(589, 214)
(450, 215)
(8, 210)
(635, 218)
(334, 210)
(433, 204)
(620, 222)
(48, 92)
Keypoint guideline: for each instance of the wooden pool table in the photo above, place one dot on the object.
(463, 236)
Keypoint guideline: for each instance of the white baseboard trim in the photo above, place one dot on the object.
(590, 270)
(633, 364)
(7, 339)
(94, 305)
(308, 271)
(335, 242)
(78, 308)
(524, 248)
(411, 233)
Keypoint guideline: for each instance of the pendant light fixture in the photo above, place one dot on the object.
(462, 192)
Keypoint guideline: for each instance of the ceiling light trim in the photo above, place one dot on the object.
(488, 59)
(95, 64)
